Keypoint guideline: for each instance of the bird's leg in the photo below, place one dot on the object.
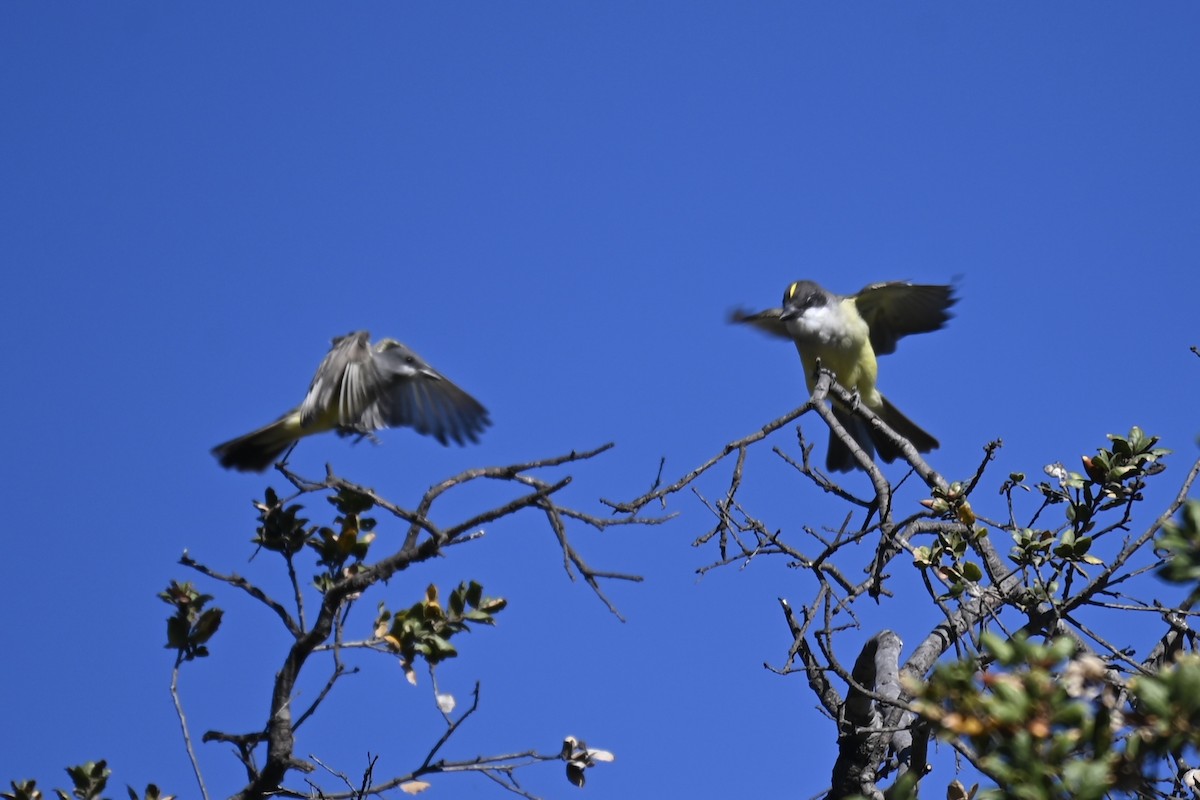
(358, 434)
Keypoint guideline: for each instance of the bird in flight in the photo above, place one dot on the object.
(846, 333)
(360, 388)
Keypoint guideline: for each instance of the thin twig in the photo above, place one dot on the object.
(183, 726)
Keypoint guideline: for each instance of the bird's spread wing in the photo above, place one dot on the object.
(768, 321)
(417, 396)
(896, 309)
(346, 385)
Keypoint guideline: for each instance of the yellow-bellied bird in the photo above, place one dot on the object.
(359, 389)
(846, 333)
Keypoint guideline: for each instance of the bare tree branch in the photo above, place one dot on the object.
(423, 540)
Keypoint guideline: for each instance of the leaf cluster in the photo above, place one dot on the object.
(192, 625)
(1046, 723)
(1112, 481)
(1179, 543)
(281, 529)
(947, 555)
(424, 629)
(88, 780)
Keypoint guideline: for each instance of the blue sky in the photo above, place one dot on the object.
(556, 205)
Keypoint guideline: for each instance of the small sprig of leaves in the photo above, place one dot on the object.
(1166, 714)
(351, 539)
(280, 529)
(1036, 731)
(947, 555)
(23, 790)
(951, 503)
(152, 793)
(89, 781)
(1180, 543)
(424, 630)
(191, 626)
(1047, 722)
(1112, 478)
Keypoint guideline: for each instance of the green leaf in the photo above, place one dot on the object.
(1153, 695)
(177, 633)
(999, 647)
(207, 625)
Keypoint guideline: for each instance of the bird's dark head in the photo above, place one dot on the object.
(803, 295)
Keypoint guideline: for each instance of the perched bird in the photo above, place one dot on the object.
(359, 389)
(846, 333)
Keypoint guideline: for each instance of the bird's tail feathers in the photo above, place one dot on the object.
(840, 459)
(258, 450)
(920, 439)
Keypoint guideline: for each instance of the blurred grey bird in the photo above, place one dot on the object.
(359, 389)
(846, 333)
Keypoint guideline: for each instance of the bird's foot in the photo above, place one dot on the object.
(359, 435)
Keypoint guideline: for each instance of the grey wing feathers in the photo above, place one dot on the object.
(896, 309)
(347, 381)
(438, 408)
(417, 396)
(768, 321)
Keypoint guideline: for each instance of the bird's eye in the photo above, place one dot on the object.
(409, 360)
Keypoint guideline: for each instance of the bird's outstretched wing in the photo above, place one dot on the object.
(895, 309)
(415, 395)
(346, 385)
(769, 321)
